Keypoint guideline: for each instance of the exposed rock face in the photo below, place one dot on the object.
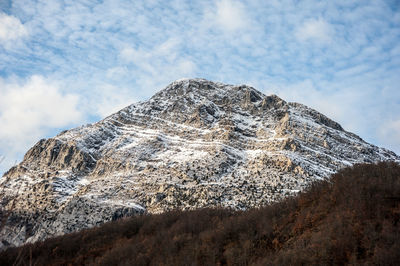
(194, 144)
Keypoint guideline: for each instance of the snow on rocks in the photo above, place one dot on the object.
(194, 144)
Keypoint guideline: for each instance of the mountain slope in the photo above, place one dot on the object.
(352, 219)
(194, 144)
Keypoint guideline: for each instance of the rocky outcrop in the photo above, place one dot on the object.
(194, 144)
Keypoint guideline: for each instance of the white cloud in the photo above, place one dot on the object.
(231, 15)
(317, 30)
(29, 110)
(129, 54)
(11, 29)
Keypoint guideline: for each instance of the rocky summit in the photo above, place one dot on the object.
(194, 144)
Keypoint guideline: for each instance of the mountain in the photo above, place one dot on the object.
(351, 219)
(194, 144)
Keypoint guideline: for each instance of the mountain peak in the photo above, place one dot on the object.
(196, 143)
(206, 102)
(202, 88)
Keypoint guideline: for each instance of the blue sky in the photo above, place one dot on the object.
(67, 63)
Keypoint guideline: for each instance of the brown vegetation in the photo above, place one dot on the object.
(351, 219)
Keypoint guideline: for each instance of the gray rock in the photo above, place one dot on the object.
(194, 144)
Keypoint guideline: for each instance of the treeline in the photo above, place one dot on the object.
(351, 219)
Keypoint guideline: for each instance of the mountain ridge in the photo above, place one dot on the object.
(194, 144)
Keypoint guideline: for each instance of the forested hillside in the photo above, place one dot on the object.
(353, 218)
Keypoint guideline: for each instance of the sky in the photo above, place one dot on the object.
(69, 63)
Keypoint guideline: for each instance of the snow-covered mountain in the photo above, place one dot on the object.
(194, 144)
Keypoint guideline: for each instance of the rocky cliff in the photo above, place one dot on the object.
(194, 144)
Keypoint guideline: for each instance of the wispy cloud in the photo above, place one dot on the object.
(11, 30)
(231, 15)
(317, 30)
